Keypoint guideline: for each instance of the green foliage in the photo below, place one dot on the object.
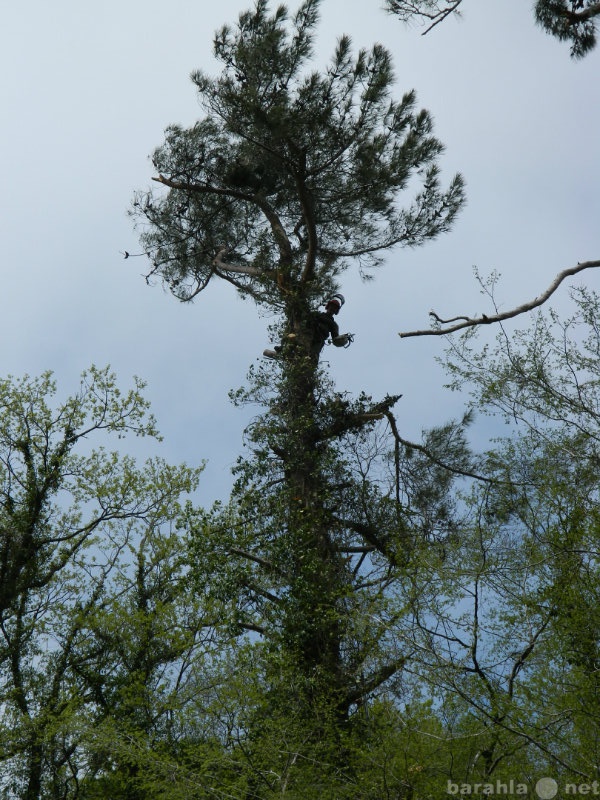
(536, 533)
(366, 617)
(291, 177)
(568, 20)
(92, 616)
(292, 173)
(318, 559)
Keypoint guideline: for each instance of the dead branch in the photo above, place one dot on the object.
(465, 473)
(374, 681)
(441, 16)
(470, 322)
(241, 269)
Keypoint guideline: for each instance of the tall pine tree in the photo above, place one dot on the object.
(290, 178)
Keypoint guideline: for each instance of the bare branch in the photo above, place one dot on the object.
(442, 16)
(449, 467)
(241, 269)
(374, 681)
(470, 322)
(406, 10)
(263, 562)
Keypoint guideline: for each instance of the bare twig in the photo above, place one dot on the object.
(470, 322)
(406, 10)
(442, 16)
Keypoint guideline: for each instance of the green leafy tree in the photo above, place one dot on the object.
(89, 588)
(573, 21)
(536, 538)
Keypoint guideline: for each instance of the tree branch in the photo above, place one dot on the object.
(465, 473)
(348, 420)
(375, 680)
(263, 562)
(585, 14)
(310, 227)
(521, 657)
(470, 322)
(406, 10)
(370, 534)
(281, 237)
(262, 592)
(442, 16)
(240, 269)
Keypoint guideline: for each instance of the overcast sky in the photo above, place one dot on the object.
(87, 91)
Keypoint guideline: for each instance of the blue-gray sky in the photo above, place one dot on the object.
(86, 93)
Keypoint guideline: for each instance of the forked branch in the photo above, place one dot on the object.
(470, 322)
(406, 10)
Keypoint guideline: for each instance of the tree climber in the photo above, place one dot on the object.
(323, 326)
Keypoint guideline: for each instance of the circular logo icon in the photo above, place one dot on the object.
(546, 788)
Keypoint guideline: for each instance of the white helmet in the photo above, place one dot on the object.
(338, 299)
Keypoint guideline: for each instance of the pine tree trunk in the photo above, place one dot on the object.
(313, 626)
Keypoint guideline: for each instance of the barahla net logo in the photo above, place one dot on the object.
(544, 789)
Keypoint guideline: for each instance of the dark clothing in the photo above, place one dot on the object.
(320, 326)
(325, 326)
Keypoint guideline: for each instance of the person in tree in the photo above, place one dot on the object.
(324, 327)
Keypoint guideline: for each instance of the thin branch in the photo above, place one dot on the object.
(201, 188)
(262, 592)
(406, 10)
(524, 655)
(438, 462)
(263, 562)
(199, 288)
(470, 322)
(442, 16)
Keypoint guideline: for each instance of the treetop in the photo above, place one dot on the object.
(293, 174)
